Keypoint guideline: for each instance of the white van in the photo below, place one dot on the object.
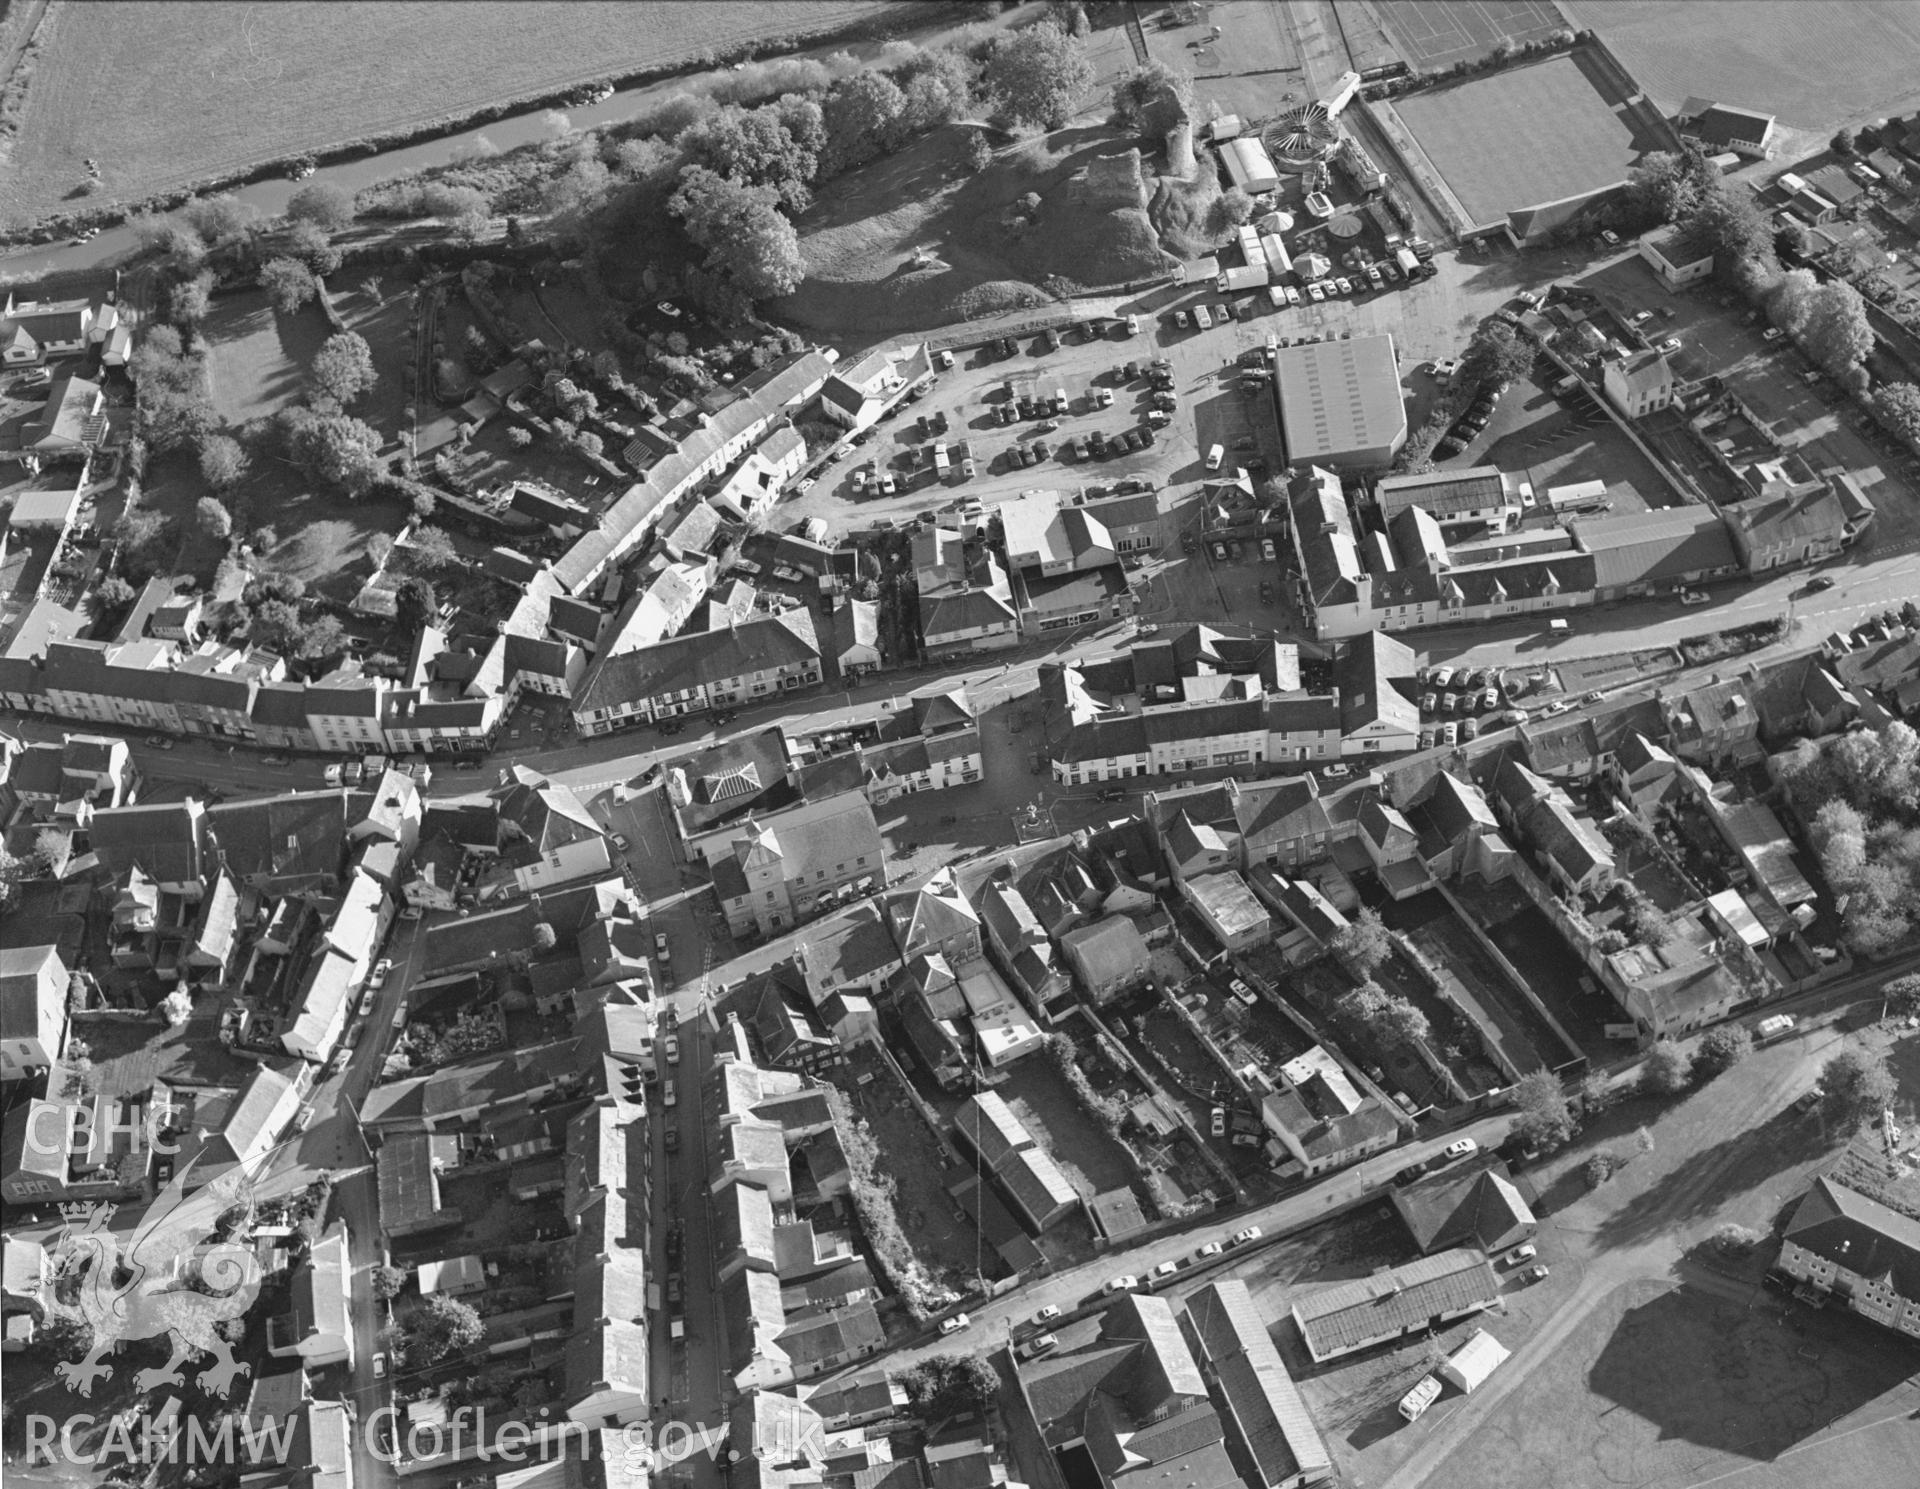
(1425, 1392)
(1215, 455)
(1202, 317)
(668, 1095)
(1777, 1027)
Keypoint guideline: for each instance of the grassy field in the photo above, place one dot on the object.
(1815, 63)
(915, 241)
(257, 358)
(1533, 134)
(1664, 1387)
(164, 94)
(1435, 34)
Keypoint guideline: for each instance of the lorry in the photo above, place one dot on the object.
(1249, 277)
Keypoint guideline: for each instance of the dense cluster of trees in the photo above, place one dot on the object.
(343, 368)
(439, 1326)
(330, 446)
(1856, 1088)
(1388, 1020)
(171, 379)
(945, 1386)
(1858, 794)
(269, 614)
(1546, 1119)
(1153, 100)
(1362, 944)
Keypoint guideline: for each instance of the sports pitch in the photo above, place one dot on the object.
(1434, 34)
(1539, 133)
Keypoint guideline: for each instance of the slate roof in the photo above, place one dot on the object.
(700, 659)
(761, 396)
(1480, 1208)
(1263, 1406)
(1349, 1315)
(1859, 1234)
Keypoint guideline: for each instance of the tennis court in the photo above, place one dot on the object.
(1435, 34)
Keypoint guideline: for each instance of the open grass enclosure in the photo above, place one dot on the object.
(1539, 133)
(915, 240)
(1815, 63)
(164, 94)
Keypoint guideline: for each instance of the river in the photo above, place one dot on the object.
(113, 247)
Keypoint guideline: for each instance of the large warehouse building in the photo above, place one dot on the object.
(1340, 402)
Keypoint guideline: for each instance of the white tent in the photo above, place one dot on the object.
(1474, 1361)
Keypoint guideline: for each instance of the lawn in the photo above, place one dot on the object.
(1539, 133)
(322, 534)
(1665, 1386)
(163, 95)
(257, 359)
(914, 241)
(1435, 34)
(1816, 63)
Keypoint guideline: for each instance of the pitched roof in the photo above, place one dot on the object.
(1479, 1208)
(700, 659)
(1350, 1314)
(1859, 1234)
(1264, 1407)
(760, 397)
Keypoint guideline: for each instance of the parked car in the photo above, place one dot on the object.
(1818, 584)
(1040, 1346)
(1238, 987)
(1520, 1254)
(1126, 1282)
(672, 1044)
(1465, 1148)
(1244, 1237)
(954, 1324)
(1408, 1175)
(661, 950)
(1217, 1121)
(1669, 346)
(1537, 1274)
(1045, 1316)
(157, 742)
(1212, 1248)
(1163, 1271)
(381, 969)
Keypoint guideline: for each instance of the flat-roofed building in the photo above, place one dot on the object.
(1339, 402)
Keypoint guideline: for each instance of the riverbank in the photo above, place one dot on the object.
(869, 21)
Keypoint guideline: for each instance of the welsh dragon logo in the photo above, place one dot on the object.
(170, 1279)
